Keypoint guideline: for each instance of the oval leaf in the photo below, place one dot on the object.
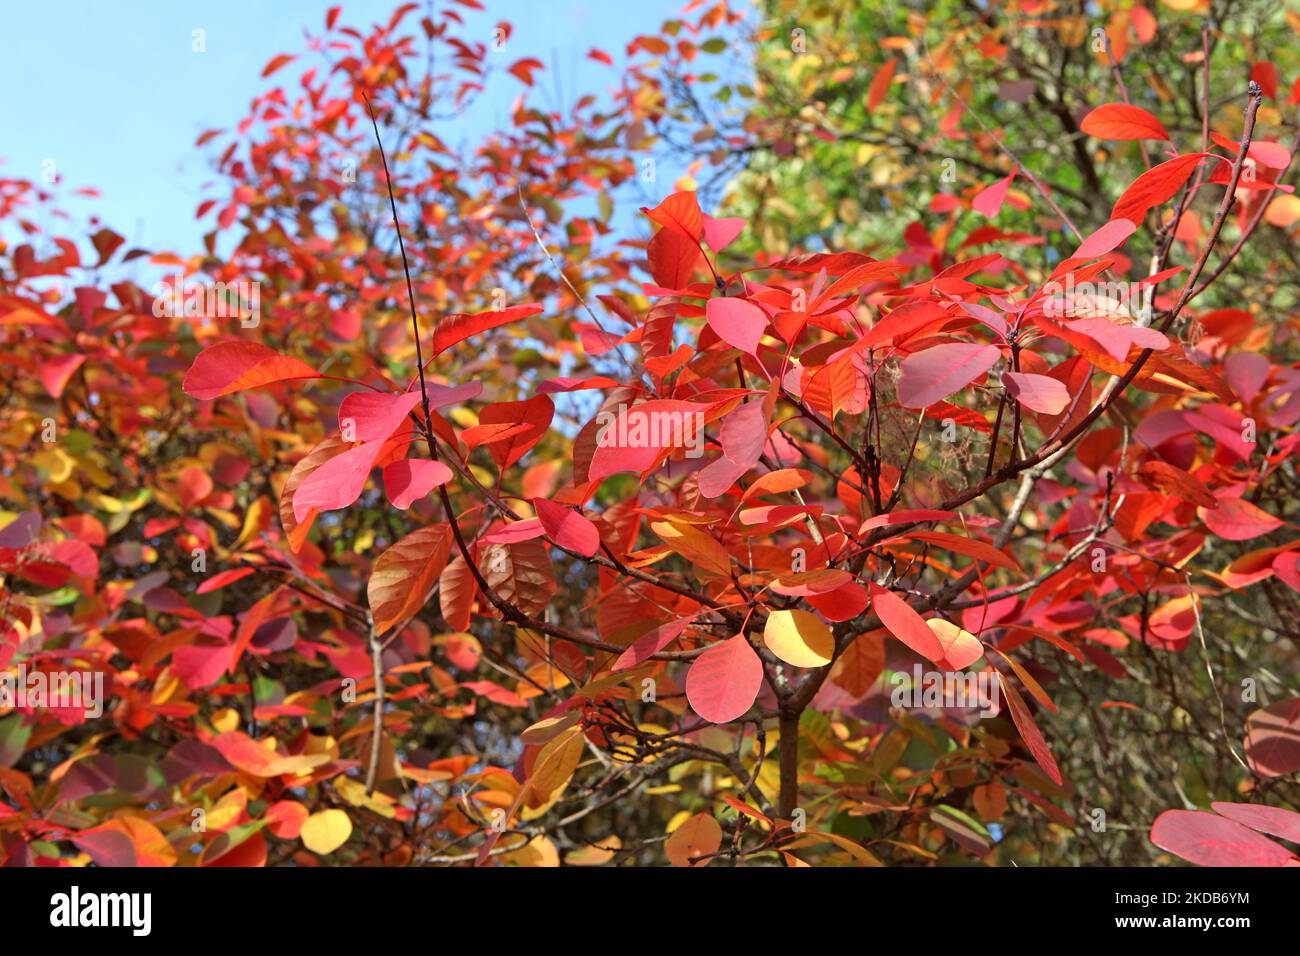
(723, 682)
(1211, 840)
(1121, 121)
(234, 366)
(936, 373)
(799, 638)
(404, 576)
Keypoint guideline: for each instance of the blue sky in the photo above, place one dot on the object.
(115, 96)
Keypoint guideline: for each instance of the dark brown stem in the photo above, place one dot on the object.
(788, 799)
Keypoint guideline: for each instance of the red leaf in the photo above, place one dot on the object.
(1157, 185)
(681, 212)
(568, 528)
(933, 375)
(672, 258)
(219, 581)
(989, 200)
(1236, 519)
(458, 326)
(237, 365)
(524, 69)
(843, 603)
(905, 624)
(724, 681)
(1121, 121)
(903, 322)
(252, 619)
(632, 439)
(1211, 840)
(276, 63)
(55, 372)
(107, 847)
(1170, 480)
(1029, 732)
(970, 547)
(1273, 738)
(534, 415)
(200, 665)
(880, 83)
(457, 590)
(404, 575)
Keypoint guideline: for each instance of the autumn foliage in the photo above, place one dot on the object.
(526, 528)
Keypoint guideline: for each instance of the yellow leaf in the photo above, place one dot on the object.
(325, 831)
(256, 520)
(694, 545)
(596, 854)
(799, 638)
(554, 766)
(1283, 211)
(960, 647)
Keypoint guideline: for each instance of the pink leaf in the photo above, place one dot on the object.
(200, 665)
(1109, 237)
(1042, 393)
(374, 415)
(515, 532)
(650, 643)
(338, 482)
(720, 233)
(1274, 821)
(724, 681)
(738, 323)
(443, 395)
(1211, 840)
(743, 435)
(1116, 339)
(410, 479)
(936, 373)
(568, 528)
